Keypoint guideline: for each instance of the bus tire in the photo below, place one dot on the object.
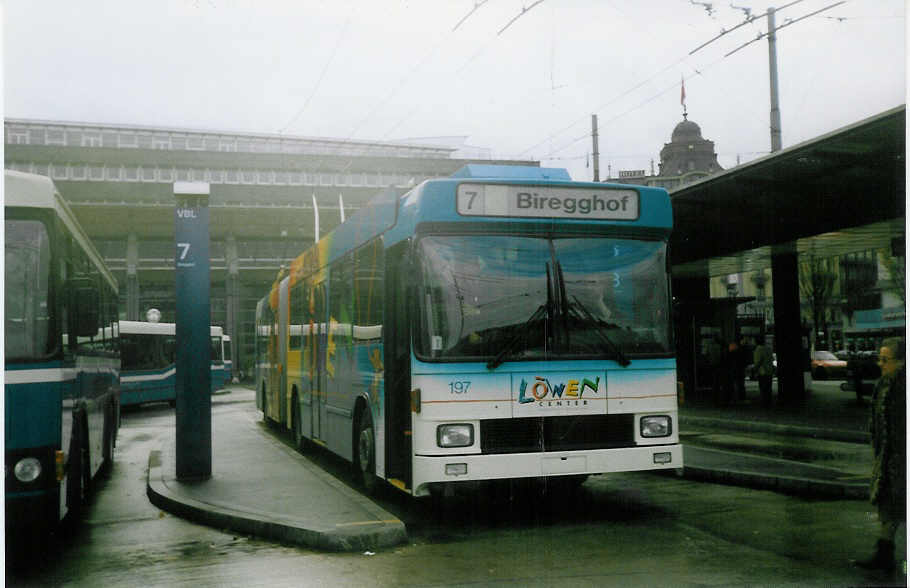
(75, 475)
(295, 423)
(365, 452)
(265, 408)
(107, 463)
(88, 480)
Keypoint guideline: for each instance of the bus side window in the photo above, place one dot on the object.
(368, 290)
(340, 300)
(169, 349)
(298, 315)
(129, 352)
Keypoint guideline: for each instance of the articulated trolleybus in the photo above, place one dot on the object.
(506, 322)
(61, 379)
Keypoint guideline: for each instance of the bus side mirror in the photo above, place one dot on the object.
(84, 304)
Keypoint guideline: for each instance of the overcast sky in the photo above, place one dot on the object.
(397, 69)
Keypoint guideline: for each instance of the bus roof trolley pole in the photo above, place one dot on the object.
(194, 399)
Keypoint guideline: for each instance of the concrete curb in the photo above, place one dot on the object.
(384, 533)
(779, 483)
(787, 430)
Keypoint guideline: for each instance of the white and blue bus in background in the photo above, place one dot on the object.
(149, 355)
(62, 360)
(502, 323)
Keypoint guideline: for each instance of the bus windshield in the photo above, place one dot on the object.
(541, 298)
(26, 315)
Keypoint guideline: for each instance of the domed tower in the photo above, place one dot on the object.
(688, 156)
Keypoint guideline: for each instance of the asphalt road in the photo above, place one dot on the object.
(627, 529)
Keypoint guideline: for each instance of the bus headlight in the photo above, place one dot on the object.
(460, 435)
(27, 469)
(656, 426)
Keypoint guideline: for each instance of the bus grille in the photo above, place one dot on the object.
(564, 433)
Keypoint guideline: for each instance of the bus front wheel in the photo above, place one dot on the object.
(107, 465)
(76, 489)
(365, 462)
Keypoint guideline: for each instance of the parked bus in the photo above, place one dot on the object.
(502, 323)
(149, 351)
(62, 361)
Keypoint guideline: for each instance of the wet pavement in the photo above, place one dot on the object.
(263, 487)
(820, 448)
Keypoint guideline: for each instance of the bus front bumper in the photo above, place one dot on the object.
(460, 468)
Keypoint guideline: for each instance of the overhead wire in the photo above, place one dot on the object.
(602, 106)
(749, 19)
(786, 24)
(477, 4)
(469, 61)
(661, 93)
(325, 69)
(645, 102)
(523, 12)
(616, 98)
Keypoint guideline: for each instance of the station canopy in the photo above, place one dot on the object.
(838, 193)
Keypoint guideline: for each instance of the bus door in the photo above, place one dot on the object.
(319, 335)
(397, 343)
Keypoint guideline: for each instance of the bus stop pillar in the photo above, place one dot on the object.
(791, 388)
(194, 351)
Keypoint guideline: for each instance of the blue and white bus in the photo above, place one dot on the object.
(503, 323)
(62, 361)
(149, 354)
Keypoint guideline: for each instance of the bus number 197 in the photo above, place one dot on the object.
(459, 387)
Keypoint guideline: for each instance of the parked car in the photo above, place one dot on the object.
(826, 365)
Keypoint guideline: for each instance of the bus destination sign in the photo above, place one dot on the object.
(547, 202)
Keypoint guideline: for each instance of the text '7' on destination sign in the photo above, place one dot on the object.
(547, 202)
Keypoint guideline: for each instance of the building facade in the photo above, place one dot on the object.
(688, 157)
(270, 197)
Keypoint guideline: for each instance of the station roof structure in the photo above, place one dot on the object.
(840, 192)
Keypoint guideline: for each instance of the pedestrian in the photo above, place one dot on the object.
(889, 443)
(763, 362)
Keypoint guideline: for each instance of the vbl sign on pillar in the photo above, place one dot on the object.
(194, 400)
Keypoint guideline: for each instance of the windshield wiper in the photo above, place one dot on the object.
(540, 313)
(600, 328)
(544, 311)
